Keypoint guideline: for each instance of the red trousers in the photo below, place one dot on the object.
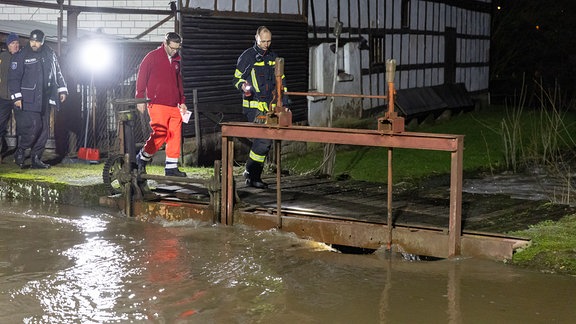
(166, 123)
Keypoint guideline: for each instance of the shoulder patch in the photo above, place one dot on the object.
(13, 65)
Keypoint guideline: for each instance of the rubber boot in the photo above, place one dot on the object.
(141, 163)
(174, 172)
(19, 157)
(253, 174)
(38, 164)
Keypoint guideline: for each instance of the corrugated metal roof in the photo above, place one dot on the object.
(454, 95)
(417, 102)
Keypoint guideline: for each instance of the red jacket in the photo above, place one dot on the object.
(159, 80)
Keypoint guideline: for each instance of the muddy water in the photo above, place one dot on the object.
(68, 265)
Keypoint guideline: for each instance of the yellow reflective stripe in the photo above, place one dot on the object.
(259, 63)
(256, 157)
(254, 81)
(272, 63)
(238, 75)
(262, 106)
(237, 84)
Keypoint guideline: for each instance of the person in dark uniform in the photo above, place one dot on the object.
(6, 104)
(255, 78)
(36, 84)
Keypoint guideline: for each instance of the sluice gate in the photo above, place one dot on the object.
(356, 231)
(345, 220)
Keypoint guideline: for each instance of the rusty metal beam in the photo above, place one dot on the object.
(361, 137)
(427, 241)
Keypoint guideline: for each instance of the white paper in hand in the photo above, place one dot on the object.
(186, 116)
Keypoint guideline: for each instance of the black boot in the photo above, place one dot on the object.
(253, 174)
(19, 157)
(141, 163)
(38, 164)
(174, 172)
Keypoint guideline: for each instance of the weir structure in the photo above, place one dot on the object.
(434, 242)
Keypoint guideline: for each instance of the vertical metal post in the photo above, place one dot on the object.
(278, 153)
(337, 32)
(278, 73)
(390, 71)
(455, 224)
(60, 26)
(230, 184)
(128, 199)
(389, 201)
(197, 135)
(224, 181)
(227, 181)
(128, 190)
(215, 197)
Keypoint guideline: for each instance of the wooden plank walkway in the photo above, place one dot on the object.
(366, 202)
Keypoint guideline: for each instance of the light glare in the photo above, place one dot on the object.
(96, 56)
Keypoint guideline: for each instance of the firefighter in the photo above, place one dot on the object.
(255, 78)
(36, 84)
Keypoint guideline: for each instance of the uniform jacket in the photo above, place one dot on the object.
(256, 67)
(5, 58)
(159, 79)
(34, 77)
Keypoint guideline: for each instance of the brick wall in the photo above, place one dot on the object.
(125, 25)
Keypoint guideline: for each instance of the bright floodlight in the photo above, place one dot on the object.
(96, 56)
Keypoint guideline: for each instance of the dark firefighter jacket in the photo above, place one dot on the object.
(33, 75)
(256, 67)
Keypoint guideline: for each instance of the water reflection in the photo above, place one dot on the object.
(63, 265)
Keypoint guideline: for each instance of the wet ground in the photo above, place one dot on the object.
(507, 202)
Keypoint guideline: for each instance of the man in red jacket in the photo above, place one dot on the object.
(160, 81)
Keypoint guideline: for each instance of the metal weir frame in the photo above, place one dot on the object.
(454, 144)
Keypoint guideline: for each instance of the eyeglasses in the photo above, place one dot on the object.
(175, 48)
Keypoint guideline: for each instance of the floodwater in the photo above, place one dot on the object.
(60, 264)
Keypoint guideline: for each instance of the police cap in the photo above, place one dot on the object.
(37, 35)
